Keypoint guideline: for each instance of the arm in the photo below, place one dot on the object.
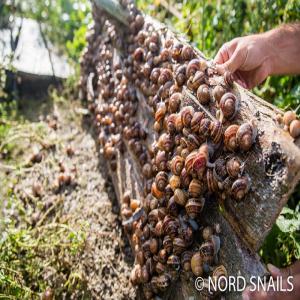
(253, 58)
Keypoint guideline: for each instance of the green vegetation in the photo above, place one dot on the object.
(208, 25)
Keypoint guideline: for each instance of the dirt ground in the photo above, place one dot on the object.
(61, 135)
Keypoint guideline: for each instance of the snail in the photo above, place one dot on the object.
(194, 207)
(180, 75)
(187, 115)
(197, 264)
(295, 128)
(177, 164)
(246, 135)
(218, 92)
(161, 180)
(174, 102)
(240, 188)
(203, 94)
(229, 105)
(230, 139)
(234, 167)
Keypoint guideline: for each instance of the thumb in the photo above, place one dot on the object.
(234, 63)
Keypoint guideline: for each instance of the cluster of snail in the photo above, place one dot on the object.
(194, 153)
(290, 122)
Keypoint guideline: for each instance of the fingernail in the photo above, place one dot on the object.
(274, 270)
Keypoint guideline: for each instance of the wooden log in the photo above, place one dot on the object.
(273, 165)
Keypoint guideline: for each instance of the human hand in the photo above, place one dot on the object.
(293, 271)
(247, 58)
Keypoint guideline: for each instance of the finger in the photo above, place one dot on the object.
(222, 55)
(236, 60)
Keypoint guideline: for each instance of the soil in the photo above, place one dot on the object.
(88, 203)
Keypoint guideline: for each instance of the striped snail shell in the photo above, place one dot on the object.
(229, 105)
(230, 138)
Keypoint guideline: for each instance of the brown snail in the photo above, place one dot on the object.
(194, 207)
(165, 76)
(240, 188)
(197, 264)
(246, 135)
(177, 164)
(180, 196)
(229, 105)
(203, 94)
(187, 114)
(217, 92)
(295, 128)
(230, 139)
(174, 102)
(233, 167)
(288, 117)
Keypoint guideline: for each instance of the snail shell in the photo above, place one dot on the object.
(155, 75)
(246, 135)
(160, 112)
(147, 170)
(230, 139)
(168, 244)
(196, 120)
(161, 160)
(179, 123)
(171, 123)
(186, 257)
(180, 75)
(153, 244)
(189, 161)
(176, 51)
(228, 79)
(295, 128)
(174, 102)
(240, 188)
(162, 256)
(194, 207)
(187, 52)
(288, 117)
(229, 105)
(204, 128)
(197, 264)
(179, 246)
(217, 92)
(174, 262)
(207, 233)
(180, 197)
(158, 230)
(161, 180)
(193, 66)
(197, 80)
(160, 268)
(203, 94)
(185, 178)
(156, 192)
(165, 76)
(187, 114)
(170, 226)
(207, 251)
(212, 183)
(163, 281)
(172, 207)
(216, 131)
(218, 272)
(200, 161)
(174, 182)
(233, 167)
(219, 170)
(196, 188)
(177, 164)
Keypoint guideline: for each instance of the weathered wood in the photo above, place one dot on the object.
(273, 166)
